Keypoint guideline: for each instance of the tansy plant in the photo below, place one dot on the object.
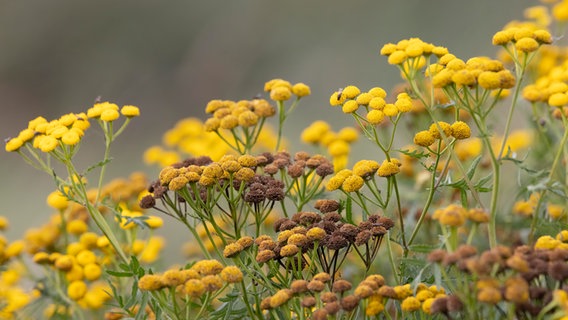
(460, 213)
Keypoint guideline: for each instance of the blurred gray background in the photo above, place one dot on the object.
(171, 57)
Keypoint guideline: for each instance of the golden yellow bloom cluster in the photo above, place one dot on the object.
(524, 40)
(48, 135)
(14, 295)
(228, 114)
(353, 180)
(455, 215)
(351, 99)
(411, 53)
(338, 144)
(487, 73)
(459, 130)
(282, 90)
(205, 276)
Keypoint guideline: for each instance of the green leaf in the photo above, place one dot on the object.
(417, 154)
(422, 248)
(99, 164)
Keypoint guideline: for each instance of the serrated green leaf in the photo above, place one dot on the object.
(98, 165)
(417, 154)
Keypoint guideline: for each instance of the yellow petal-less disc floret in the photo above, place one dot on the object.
(109, 115)
(558, 99)
(14, 144)
(301, 90)
(350, 92)
(424, 138)
(375, 116)
(350, 106)
(460, 130)
(130, 111)
(527, 45)
(76, 290)
(397, 57)
(388, 49)
(352, 183)
(489, 80)
(281, 93)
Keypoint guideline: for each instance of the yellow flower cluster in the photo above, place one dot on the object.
(351, 99)
(282, 90)
(205, 276)
(459, 130)
(228, 114)
(338, 144)
(551, 243)
(526, 207)
(456, 216)
(525, 40)
(478, 71)
(109, 112)
(353, 180)
(67, 130)
(411, 53)
(48, 135)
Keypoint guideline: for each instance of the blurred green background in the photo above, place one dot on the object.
(171, 57)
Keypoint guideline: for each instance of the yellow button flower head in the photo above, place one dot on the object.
(390, 110)
(460, 130)
(388, 49)
(281, 93)
(453, 216)
(76, 290)
(442, 78)
(46, 143)
(389, 168)
(130, 111)
(397, 57)
(560, 11)
(403, 102)
(464, 78)
(231, 274)
(32, 124)
(444, 126)
(154, 222)
(350, 106)
(350, 92)
(377, 103)
(301, 90)
(527, 45)
(77, 227)
(57, 200)
(14, 144)
(558, 99)
(410, 304)
(489, 80)
(352, 183)
(268, 86)
(348, 134)
(229, 122)
(364, 98)
(70, 138)
(543, 36)
(109, 115)
(92, 271)
(424, 138)
(501, 38)
(337, 98)
(247, 119)
(150, 282)
(378, 92)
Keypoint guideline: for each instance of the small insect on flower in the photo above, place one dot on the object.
(339, 93)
